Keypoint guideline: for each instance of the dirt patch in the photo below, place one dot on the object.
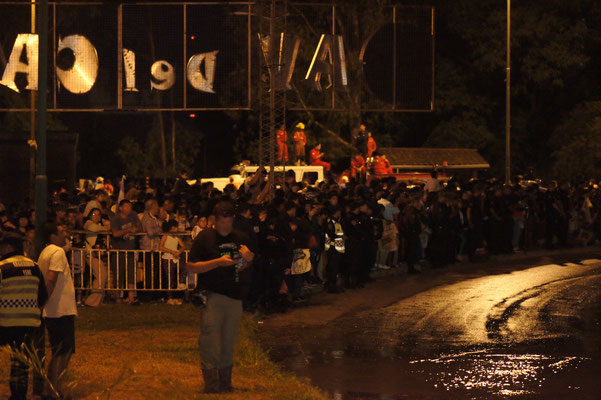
(150, 352)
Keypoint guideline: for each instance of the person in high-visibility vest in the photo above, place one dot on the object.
(22, 295)
(316, 158)
(282, 141)
(300, 141)
(371, 145)
(335, 248)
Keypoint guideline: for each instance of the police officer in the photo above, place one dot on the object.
(22, 295)
(372, 232)
(335, 248)
(353, 227)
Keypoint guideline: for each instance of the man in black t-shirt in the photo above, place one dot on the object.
(220, 257)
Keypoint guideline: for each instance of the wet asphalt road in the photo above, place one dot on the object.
(530, 333)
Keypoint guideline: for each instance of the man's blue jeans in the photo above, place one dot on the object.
(219, 331)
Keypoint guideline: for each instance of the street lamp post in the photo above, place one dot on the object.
(508, 99)
(41, 180)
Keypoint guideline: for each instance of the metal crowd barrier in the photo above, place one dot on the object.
(129, 270)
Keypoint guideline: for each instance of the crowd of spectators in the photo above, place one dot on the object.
(333, 233)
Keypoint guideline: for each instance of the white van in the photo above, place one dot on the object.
(313, 174)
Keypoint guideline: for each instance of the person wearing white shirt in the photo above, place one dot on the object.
(61, 309)
(432, 183)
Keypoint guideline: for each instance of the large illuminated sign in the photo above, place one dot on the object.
(80, 78)
(151, 68)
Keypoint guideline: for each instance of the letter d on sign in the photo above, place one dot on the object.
(198, 80)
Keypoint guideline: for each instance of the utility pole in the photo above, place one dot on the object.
(32, 97)
(41, 180)
(508, 99)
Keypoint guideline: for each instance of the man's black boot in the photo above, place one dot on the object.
(211, 378)
(225, 380)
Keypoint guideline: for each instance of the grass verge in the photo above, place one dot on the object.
(150, 352)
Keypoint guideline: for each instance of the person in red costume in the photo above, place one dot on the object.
(379, 166)
(388, 168)
(300, 140)
(382, 165)
(371, 145)
(358, 166)
(316, 157)
(282, 140)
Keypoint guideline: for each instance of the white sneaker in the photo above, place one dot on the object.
(382, 266)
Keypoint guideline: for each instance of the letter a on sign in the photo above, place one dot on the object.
(30, 41)
(329, 58)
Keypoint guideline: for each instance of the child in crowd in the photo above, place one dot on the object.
(172, 247)
(183, 225)
(200, 226)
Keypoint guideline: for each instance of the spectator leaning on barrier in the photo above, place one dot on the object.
(124, 224)
(22, 294)
(220, 256)
(96, 256)
(60, 310)
(152, 227)
(173, 274)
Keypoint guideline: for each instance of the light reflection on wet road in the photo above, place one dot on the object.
(529, 334)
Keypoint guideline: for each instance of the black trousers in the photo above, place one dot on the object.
(333, 267)
(368, 259)
(353, 262)
(26, 343)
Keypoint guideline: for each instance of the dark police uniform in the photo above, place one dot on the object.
(22, 295)
(354, 229)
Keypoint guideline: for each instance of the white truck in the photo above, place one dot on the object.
(311, 174)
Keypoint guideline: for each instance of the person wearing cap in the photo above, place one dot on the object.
(220, 257)
(300, 141)
(22, 295)
(316, 158)
(99, 183)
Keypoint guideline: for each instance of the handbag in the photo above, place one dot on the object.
(301, 261)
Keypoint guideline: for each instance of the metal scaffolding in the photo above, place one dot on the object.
(272, 95)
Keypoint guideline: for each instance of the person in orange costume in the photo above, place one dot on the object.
(379, 166)
(382, 165)
(300, 141)
(316, 156)
(388, 168)
(282, 140)
(371, 145)
(357, 166)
